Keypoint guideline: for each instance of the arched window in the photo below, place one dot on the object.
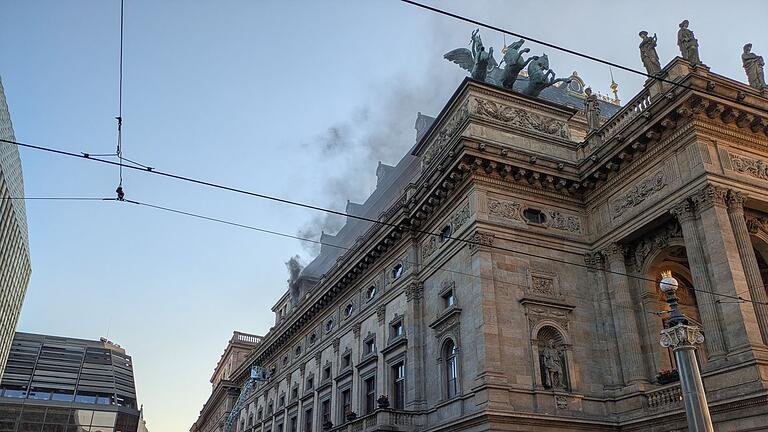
(397, 271)
(451, 369)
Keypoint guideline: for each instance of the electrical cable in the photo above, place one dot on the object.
(375, 221)
(563, 49)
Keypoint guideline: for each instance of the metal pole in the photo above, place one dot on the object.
(683, 338)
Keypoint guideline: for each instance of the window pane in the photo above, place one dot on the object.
(103, 418)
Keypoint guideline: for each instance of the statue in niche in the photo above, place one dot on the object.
(540, 76)
(648, 53)
(478, 61)
(753, 66)
(552, 365)
(514, 63)
(689, 46)
(592, 108)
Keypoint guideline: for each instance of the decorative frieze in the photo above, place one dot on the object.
(429, 247)
(506, 209)
(522, 118)
(460, 218)
(479, 238)
(751, 167)
(445, 135)
(543, 284)
(638, 193)
(560, 221)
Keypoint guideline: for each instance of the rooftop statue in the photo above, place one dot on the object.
(753, 65)
(592, 109)
(689, 46)
(648, 53)
(514, 63)
(540, 76)
(478, 61)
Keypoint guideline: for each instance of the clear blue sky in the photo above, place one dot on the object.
(244, 93)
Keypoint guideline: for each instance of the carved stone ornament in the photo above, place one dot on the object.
(480, 239)
(506, 209)
(639, 193)
(751, 167)
(521, 118)
(429, 247)
(336, 343)
(561, 401)
(593, 260)
(318, 357)
(445, 135)
(756, 224)
(356, 330)
(735, 200)
(563, 222)
(414, 291)
(543, 286)
(659, 239)
(708, 196)
(460, 218)
(681, 335)
(381, 313)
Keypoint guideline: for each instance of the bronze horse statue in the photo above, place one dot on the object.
(540, 76)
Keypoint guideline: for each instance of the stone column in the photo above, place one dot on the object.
(624, 319)
(735, 201)
(726, 273)
(710, 318)
(604, 318)
(415, 333)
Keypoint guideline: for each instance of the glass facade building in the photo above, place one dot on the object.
(15, 266)
(64, 384)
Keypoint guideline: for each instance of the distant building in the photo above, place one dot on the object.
(54, 383)
(225, 392)
(15, 267)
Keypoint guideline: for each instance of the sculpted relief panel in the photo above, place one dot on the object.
(445, 135)
(748, 166)
(522, 118)
(643, 190)
(513, 211)
(455, 221)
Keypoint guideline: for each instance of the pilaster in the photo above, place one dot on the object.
(416, 396)
(604, 319)
(624, 319)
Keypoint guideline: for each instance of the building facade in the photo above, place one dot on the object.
(15, 267)
(54, 383)
(513, 282)
(224, 391)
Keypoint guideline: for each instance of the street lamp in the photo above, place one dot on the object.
(683, 338)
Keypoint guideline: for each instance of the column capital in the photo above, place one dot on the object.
(709, 196)
(414, 291)
(593, 260)
(735, 200)
(681, 335)
(615, 252)
(682, 211)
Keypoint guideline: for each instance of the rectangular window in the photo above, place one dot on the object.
(448, 299)
(397, 329)
(369, 386)
(294, 393)
(308, 420)
(293, 425)
(345, 403)
(346, 361)
(310, 383)
(280, 428)
(325, 409)
(398, 385)
(327, 373)
(370, 346)
(282, 401)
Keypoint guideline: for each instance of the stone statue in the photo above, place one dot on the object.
(478, 61)
(540, 76)
(514, 63)
(553, 366)
(648, 53)
(592, 108)
(753, 65)
(689, 46)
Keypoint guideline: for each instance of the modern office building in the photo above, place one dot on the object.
(15, 266)
(63, 384)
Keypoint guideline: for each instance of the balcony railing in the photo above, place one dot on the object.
(246, 338)
(631, 110)
(383, 419)
(669, 397)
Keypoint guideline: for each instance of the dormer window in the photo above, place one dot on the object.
(397, 271)
(445, 234)
(348, 310)
(535, 216)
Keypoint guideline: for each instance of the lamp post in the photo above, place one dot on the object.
(683, 338)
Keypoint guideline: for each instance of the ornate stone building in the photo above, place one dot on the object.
(15, 268)
(534, 305)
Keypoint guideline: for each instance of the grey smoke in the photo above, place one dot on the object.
(294, 269)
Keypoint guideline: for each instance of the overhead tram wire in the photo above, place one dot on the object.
(339, 213)
(436, 268)
(119, 118)
(566, 50)
(58, 198)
